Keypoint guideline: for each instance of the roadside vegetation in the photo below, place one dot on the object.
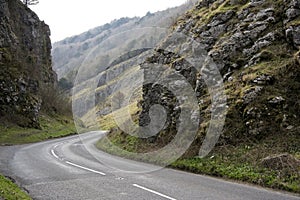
(10, 191)
(241, 163)
(244, 162)
(50, 128)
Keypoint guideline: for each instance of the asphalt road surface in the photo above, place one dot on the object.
(72, 168)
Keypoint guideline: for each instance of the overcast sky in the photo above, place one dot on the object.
(68, 17)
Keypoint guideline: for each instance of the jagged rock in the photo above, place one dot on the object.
(254, 3)
(265, 14)
(25, 63)
(261, 43)
(233, 40)
(296, 36)
(221, 18)
(290, 127)
(251, 94)
(293, 35)
(277, 100)
(292, 13)
(264, 80)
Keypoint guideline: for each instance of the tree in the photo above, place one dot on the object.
(30, 2)
(117, 100)
(64, 84)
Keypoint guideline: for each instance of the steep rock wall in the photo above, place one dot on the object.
(25, 63)
(254, 45)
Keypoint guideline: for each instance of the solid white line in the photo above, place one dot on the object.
(53, 153)
(85, 168)
(154, 192)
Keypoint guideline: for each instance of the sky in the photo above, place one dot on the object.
(68, 17)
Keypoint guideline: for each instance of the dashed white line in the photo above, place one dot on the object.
(154, 192)
(85, 168)
(75, 165)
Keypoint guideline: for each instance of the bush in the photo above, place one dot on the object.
(55, 101)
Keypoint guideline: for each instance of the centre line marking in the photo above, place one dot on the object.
(152, 191)
(85, 168)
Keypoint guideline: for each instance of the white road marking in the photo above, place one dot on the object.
(54, 154)
(85, 168)
(152, 191)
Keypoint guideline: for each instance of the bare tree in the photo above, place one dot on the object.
(117, 100)
(30, 2)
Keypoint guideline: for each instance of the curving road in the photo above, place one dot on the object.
(67, 169)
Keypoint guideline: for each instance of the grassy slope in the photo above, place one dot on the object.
(9, 190)
(51, 127)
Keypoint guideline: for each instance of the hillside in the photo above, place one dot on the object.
(93, 62)
(69, 53)
(239, 62)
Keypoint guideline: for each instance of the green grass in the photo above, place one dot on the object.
(240, 163)
(10, 191)
(245, 172)
(51, 127)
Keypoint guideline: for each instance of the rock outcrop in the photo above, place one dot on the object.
(253, 45)
(25, 63)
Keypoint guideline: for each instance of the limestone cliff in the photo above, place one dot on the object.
(25, 63)
(254, 45)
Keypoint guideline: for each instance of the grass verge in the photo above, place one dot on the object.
(240, 171)
(51, 127)
(242, 162)
(9, 190)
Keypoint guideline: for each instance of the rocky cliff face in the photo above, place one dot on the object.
(255, 47)
(238, 61)
(25, 63)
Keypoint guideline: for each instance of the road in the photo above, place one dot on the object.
(67, 169)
